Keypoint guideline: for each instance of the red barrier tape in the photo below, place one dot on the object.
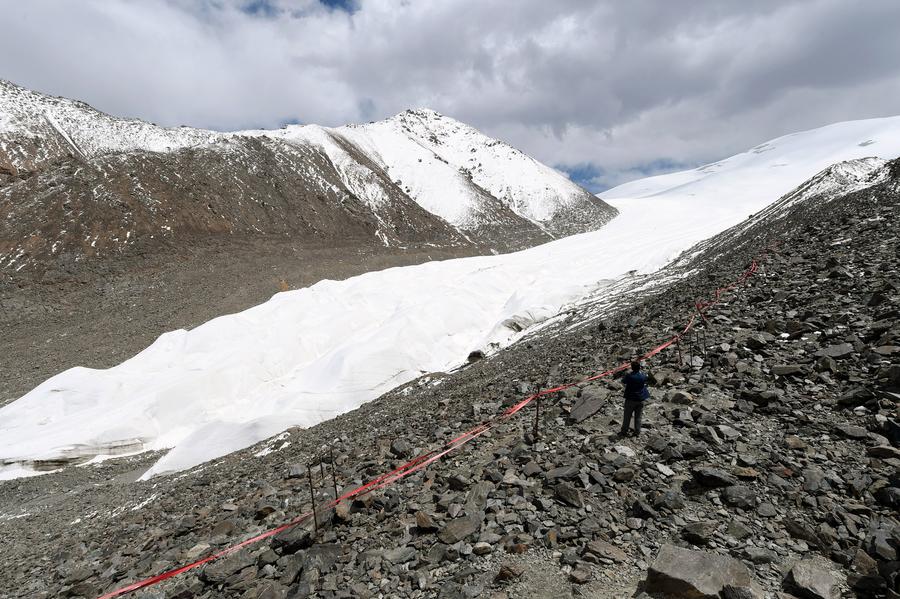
(422, 461)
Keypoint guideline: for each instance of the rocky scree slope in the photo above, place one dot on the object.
(76, 184)
(770, 456)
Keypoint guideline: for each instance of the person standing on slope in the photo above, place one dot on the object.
(636, 393)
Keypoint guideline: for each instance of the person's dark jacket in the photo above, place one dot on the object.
(636, 386)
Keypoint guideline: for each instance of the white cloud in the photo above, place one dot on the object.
(617, 85)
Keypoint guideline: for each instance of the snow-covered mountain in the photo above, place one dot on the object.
(75, 182)
(453, 171)
(308, 355)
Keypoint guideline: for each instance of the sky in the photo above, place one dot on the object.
(606, 91)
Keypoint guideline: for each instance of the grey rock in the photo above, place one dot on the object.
(814, 480)
(883, 452)
(670, 500)
(83, 589)
(592, 399)
(322, 556)
(694, 450)
(787, 369)
(400, 555)
(623, 475)
(801, 531)
(568, 495)
(401, 448)
(758, 555)
(79, 573)
(218, 571)
(809, 581)
(291, 569)
(300, 590)
(532, 468)
(477, 496)
(736, 530)
(601, 548)
(293, 540)
(836, 352)
(880, 540)
(269, 590)
(739, 496)
(698, 575)
(424, 522)
(699, 533)
(509, 572)
(460, 528)
(580, 575)
(851, 431)
(563, 472)
(482, 548)
(712, 477)
(680, 397)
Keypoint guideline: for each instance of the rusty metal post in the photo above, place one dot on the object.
(698, 342)
(333, 471)
(312, 498)
(322, 466)
(537, 417)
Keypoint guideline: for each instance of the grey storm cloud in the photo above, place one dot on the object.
(612, 90)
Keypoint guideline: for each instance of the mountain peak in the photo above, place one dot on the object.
(427, 113)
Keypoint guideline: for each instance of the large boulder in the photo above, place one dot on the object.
(699, 533)
(836, 352)
(460, 528)
(809, 581)
(690, 574)
(219, 570)
(712, 477)
(605, 550)
(293, 539)
(569, 495)
(592, 399)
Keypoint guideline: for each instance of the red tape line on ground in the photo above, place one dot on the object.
(422, 461)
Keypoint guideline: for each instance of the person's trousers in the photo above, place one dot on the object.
(632, 408)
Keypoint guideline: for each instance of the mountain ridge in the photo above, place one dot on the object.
(342, 173)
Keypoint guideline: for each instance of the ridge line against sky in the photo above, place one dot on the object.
(605, 91)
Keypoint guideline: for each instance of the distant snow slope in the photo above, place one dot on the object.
(305, 356)
(770, 169)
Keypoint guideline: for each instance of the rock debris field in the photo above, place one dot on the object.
(768, 465)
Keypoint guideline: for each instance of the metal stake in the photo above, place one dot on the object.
(333, 471)
(312, 498)
(537, 416)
